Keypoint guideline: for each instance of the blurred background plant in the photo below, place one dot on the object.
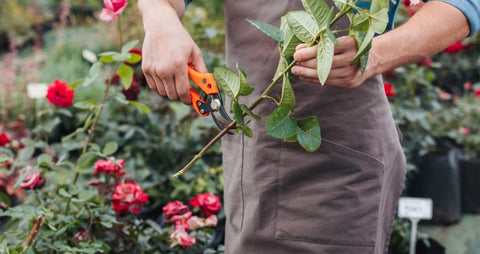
(45, 40)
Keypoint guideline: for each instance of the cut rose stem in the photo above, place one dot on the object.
(259, 99)
(232, 124)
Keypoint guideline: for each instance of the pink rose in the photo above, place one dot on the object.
(128, 197)
(444, 95)
(175, 208)
(464, 130)
(181, 220)
(34, 180)
(211, 221)
(195, 222)
(467, 85)
(207, 202)
(112, 9)
(180, 236)
(82, 236)
(109, 167)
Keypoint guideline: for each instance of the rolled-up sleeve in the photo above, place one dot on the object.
(471, 10)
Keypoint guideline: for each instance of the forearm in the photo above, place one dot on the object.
(152, 10)
(434, 27)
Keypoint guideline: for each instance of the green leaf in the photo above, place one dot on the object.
(288, 96)
(365, 45)
(76, 83)
(303, 25)
(95, 69)
(44, 159)
(129, 45)
(4, 198)
(332, 37)
(272, 31)
(125, 73)
(325, 50)
(228, 81)
(134, 58)
(246, 130)
(247, 111)
(292, 138)
(319, 10)
(280, 124)
(379, 20)
(282, 65)
(85, 104)
(86, 160)
(245, 88)
(121, 57)
(290, 41)
(110, 148)
(237, 112)
(107, 59)
(142, 107)
(64, 193)
(308, 133)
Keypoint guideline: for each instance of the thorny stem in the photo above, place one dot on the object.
(259, 99)
(94, 125)
(36, 225)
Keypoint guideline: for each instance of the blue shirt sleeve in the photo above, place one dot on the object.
(187, 2)
(471, 9)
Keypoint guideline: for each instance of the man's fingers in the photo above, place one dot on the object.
(304, 54)
(312, 63)
(182, 85)
(169, 85)
(197, 61)
(305, 72)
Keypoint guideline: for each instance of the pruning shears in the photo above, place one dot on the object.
(210, 100)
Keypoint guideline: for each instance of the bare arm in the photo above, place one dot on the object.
(168, 49)
(436, 26)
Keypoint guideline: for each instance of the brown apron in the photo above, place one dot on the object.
(281, 199)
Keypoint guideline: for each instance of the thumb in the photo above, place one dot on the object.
(197, 61)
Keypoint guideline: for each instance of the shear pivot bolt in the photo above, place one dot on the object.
(202, 111)
(199, 103)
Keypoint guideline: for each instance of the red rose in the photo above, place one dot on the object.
(132, 92)
(426, 62)
(207, 202)
(33, 181)
(109, 167)
(128, 198)
(175, 208)
(59, 94)
(112, 9)
(454, 48)
(82, 236)
(476, 92)
(115, 80)
(4, 140)
(406, 2)
(388, 90)
(136, 52)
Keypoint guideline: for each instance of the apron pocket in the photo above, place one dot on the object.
(331, 196)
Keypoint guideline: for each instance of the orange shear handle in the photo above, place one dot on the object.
(207, 83)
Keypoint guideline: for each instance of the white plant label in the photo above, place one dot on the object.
(415, 208)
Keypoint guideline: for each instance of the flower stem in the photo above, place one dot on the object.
(263, 96)
(36, 226)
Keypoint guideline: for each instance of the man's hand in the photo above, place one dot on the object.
(343, 72)
(168, 49)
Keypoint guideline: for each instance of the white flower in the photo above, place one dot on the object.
(37, 90)
(414, 2)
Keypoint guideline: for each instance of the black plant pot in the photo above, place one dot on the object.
(432, 247)
(470, 178)
(438, 178)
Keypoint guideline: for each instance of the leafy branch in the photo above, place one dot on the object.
(313, 27)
